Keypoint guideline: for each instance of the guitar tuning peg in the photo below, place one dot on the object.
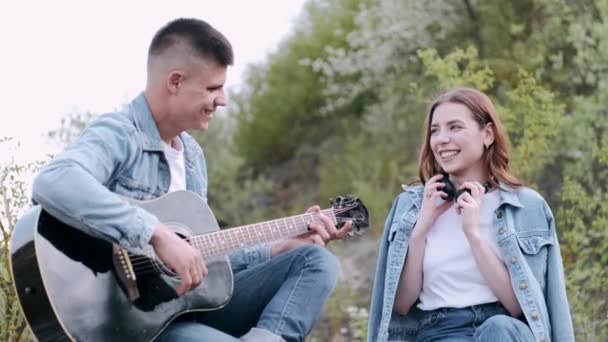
(331, 201)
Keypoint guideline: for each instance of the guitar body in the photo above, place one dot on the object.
(68, 286)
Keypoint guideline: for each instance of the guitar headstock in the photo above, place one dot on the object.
(350, 208)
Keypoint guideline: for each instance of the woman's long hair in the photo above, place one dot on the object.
(495, 157)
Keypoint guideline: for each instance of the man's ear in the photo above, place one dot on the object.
(174, 81)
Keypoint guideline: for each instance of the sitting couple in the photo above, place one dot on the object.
(481, 265)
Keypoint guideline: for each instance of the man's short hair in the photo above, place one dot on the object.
(204, 40)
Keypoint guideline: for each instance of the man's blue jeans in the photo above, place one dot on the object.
(284, 295)
(486, 322)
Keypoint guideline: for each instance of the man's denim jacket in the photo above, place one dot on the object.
(121, 153)
(525, 232)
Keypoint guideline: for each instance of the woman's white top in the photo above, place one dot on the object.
(451, 277)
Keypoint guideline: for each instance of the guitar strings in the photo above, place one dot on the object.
(137, 260)
(141, 263)
(146, 265)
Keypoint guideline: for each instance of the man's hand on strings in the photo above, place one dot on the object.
(321, 232)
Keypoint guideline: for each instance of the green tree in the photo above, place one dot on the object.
(584, 214)
(236, 196)
(280, 105)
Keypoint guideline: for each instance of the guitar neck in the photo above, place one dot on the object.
(225, 241)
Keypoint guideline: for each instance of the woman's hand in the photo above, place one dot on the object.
(469, 205)
(430, 211)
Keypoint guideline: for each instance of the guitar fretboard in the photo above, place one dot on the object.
(225, 241)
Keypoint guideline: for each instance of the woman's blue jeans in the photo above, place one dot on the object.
(284, 295)
(485, 322)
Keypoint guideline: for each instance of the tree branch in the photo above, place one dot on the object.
(5, 230)
(5, 238)
(7, 314)
(476, 30)
(20, 330)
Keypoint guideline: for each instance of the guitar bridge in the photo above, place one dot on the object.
(124, 272)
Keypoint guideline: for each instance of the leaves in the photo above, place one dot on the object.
(13, 201)
(458, 68)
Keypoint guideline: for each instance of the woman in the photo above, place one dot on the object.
(470, 255)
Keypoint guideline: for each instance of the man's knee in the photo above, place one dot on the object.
(322, 264)
(503, 328)
(189, 331)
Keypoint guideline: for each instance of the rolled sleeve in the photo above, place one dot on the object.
(139, 238)
(72, 188)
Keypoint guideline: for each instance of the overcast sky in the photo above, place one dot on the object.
(62, 56)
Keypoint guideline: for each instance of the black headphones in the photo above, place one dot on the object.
(451, 191)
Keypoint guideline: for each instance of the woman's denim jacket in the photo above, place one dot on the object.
(121, 153)
(525, 232)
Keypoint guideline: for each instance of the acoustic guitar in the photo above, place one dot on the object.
(76, 287)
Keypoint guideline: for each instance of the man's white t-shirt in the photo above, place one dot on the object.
(175, 158)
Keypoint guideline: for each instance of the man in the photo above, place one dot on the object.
(143, 152)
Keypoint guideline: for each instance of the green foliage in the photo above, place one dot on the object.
(603, 153)
(460, 67)
(234, 194)
(349, 170)
(583, 218)
(13, 200)
(282, 100)
(533, 117)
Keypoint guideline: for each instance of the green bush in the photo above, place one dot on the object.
(13, 200)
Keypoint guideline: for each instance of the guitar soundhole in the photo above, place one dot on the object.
(153, 291)
(162, 268)
(147, 265)
(150, 287)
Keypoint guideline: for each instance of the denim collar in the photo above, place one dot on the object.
(508, 195)
(145, 124)
(144, 121)
(416, 191)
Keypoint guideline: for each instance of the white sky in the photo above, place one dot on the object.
(62, 56)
